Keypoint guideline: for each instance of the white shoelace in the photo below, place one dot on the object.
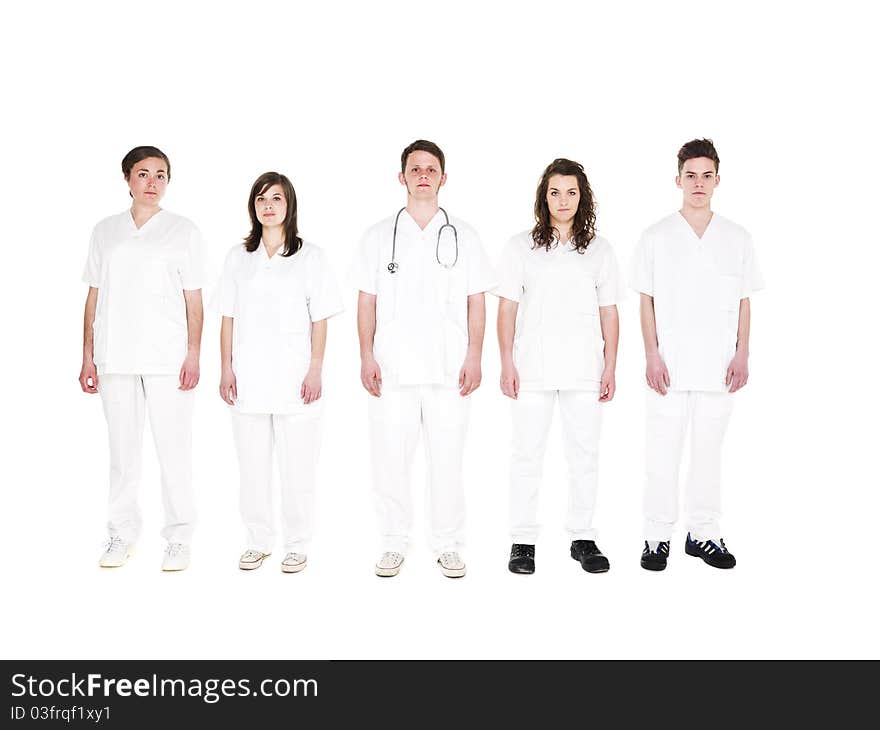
(114, 544)
(175, 548)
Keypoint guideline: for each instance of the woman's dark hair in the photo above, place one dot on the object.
(292, 242)
(698, 148)
(583, 227)
(142, 153)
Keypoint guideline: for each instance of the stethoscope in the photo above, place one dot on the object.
(393, 266)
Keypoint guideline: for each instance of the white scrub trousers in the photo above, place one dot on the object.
(170, 412)
(396, 418)
(668, 418)
(532, 413)
(295, 438)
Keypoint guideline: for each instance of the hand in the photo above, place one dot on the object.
(88, 377)
(509, 380)
(470, 376)
(737, 372)
(657, 375)
(228, 387)
(311, 387)
(371, 376)
(189, 372)
(607, 386)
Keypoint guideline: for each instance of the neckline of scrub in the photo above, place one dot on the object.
(146, 222)
(691, 229)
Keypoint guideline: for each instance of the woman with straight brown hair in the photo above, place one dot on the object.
(275, 295)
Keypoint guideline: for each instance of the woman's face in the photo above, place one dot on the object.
(147, 181)
(563, 198)
(271, 206)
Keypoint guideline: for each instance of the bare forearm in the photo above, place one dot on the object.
(194, 320)
(610, 323)
(742, 331)
(649, 324)
(507, 310)
(88, 322)
(319, 342)
(366, 323)
(476, 324)
(226, 328)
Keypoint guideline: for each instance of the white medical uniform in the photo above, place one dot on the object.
(420, 345)
(273, 302)
(140, 343)
(559, 353)
(697, 284)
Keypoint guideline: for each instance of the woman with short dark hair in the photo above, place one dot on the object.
(142, 334)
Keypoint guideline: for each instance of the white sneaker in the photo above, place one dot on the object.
(116, 552)
(176, 557)
(389, 564)
(293, 563)
(252, 559)
(451, 564)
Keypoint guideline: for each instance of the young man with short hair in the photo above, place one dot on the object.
(695, 272)
(421, 317)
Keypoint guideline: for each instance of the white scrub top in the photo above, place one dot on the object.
(697, 285)
(558, 341)
(421, 309)
(140, 274)
(273, 302)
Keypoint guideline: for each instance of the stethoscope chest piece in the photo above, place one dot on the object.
(392, 267)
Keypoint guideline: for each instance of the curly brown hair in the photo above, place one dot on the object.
(584, 224)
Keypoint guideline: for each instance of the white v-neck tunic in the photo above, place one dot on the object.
(273, 302)
(697, 284)
(558, 341)
(421, 310)
(141, 274)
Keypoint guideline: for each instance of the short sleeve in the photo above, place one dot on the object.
(192, 267)
(511, 273)
(641, 270)
(609, 288)
(222, 300)
(364, 268)
(752, 280)
(321, 289)
(481, 276)
(92, 271)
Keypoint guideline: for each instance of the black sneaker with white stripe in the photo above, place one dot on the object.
(655, 559)
(713, 553)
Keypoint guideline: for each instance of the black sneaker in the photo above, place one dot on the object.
(655, 559)
(522, 558)
(589, 556)
(713, 553)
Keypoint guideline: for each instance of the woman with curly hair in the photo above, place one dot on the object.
(558, 332)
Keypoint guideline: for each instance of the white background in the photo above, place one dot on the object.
(329, 95)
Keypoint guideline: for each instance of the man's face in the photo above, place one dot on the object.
(422, 177)
(698, 179)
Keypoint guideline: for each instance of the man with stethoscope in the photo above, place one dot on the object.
(422, 276)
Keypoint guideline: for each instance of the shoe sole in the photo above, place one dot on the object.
(174, 570)
(453, 572)
(254, 565)
(292, 568)
(696, 553)
(519, 571)
(388, 572)
(653, 567)
(592, 570)
(118, 565)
